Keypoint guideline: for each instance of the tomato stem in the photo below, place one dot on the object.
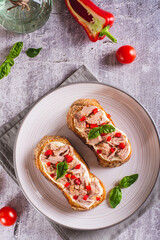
(105, 31)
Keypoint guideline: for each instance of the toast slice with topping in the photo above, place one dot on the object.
(94, 126)
(60, 163)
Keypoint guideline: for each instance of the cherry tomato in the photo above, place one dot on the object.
(8, 216)
(126, 54)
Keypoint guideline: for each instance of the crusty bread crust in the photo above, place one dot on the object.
(41, 145)
(77, 106)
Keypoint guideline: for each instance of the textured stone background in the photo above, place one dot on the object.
(65, 48)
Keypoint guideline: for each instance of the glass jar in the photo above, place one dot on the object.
(24, 16)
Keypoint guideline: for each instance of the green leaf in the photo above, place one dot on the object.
(107, 128)
(5, 69)
(15, 50)
(10, 61)
(1, 74)
(128, 181)
(115, 196)
(94, 133)
(33, 52)
(62, 168)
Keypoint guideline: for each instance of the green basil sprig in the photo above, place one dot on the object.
(62, 168)
(33, 52)
(5, 68)
(128, 181)
(9, 61)
(95, 132)
(15, 50)
(115, 195)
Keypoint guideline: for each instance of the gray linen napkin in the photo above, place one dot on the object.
(7, 137)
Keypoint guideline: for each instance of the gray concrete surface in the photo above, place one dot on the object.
(65, 48)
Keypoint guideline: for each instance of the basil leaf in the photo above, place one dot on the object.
(107, 128)
(5, 69)
(115, 196)
(15, 50)
(10, 61)
(1, 74)
(94, 133)
(33, 52)
(128, 181)
(61, 169)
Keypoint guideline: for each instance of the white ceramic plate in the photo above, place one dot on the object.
(48, 117)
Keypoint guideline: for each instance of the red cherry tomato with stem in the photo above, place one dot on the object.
(8, 216)
(126, 54)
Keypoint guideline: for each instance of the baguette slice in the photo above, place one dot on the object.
(83, 173)
(75, 112)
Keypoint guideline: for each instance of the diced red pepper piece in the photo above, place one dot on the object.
(48, 152)
(73, 177)
(108, 116)
(112, 150)
(99, 151)
(93, 125)
(67, 184)
(83, 119)
(52, 175)
(103, 124)
(88, 188)
(118, 135)
(68, 158)
(95, 111)
(75, 197)
(77, 181)
(122, 146)
(90, 16)
(108, 138)
(48, 164)
(78, 166)
(68, 175)
(87, 125)
(98, 198)
(85, 197)
(103, 134)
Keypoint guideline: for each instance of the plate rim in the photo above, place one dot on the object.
(36, 103)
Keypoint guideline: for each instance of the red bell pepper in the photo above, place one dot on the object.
(94, 20)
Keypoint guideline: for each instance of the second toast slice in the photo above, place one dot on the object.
(87, 119)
